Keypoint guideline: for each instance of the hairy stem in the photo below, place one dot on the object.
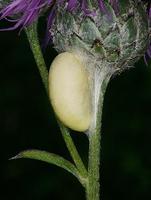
(73, 151)
(32, 36)
(93, 187)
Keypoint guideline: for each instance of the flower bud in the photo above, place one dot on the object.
(115, 34)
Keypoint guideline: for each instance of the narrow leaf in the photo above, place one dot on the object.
(52, 159)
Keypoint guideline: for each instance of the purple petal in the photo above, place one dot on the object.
(102, 5)
(50, 21)
(115, 5)
(27, 10)
(72, 4)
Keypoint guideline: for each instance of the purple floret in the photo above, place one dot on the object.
(23, 12)
(101, 5)
(115, 5)
(72, 5)
(26, 12)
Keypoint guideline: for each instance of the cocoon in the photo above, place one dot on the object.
(69, 91)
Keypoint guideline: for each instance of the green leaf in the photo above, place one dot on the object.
(52, 159)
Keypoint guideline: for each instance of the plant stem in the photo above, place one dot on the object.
(93, 187)
(32, 36)
(73, 151)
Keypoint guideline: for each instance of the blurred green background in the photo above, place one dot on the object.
(27, 121)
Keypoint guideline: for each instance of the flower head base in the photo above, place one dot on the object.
(115, 32)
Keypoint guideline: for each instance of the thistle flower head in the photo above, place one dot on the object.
(27, 11)
(22, 13)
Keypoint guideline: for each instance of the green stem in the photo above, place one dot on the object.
(32, 36)
(93, 187)
(73, 151)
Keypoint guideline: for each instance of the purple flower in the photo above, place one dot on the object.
(23, 12)
(72, 4)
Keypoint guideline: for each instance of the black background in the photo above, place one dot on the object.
(27, 121)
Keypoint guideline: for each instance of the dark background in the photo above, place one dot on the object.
(27, 121)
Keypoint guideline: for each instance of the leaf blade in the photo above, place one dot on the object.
(50, 158)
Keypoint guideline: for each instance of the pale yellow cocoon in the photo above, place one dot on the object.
(69, 91)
